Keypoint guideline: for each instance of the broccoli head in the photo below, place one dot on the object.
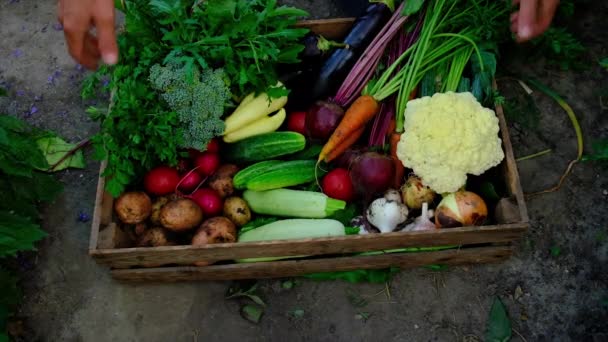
(197, 97)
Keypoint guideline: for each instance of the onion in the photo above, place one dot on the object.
(461, 208)
(415, 193)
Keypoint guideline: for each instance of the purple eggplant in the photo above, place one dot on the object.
(337, 65)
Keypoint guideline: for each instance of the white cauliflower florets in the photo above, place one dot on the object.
(447, 136)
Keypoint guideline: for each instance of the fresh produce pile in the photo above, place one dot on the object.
(229, 124)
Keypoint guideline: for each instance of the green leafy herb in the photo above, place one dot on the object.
(560, 48)
(351, 230)
(498, 328)
(345, 215)
(412, 7)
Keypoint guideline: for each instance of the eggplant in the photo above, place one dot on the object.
(316, 47)
(339, 63)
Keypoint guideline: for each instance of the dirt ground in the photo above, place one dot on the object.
(559, 296)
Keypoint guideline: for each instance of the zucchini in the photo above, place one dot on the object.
(292, 203)
(283, 175)
(291, 229)
(265, 146)
(242, 177)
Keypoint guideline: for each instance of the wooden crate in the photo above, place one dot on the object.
(477, 244)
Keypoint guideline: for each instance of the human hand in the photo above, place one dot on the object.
(77, 18)
(533, 18)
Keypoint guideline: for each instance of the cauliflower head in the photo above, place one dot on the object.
(448, 136)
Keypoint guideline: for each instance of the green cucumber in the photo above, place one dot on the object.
(264, 147)
(283, 175)
(242, 177)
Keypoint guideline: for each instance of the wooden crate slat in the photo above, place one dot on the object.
(128, 257)
(300, 267)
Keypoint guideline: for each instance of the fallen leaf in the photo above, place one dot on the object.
(498, 328)
(55, 148)
(518, 292)
(252, 313)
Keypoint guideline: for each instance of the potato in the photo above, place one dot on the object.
(133, 207)
(221, 181)
(180, 215)
(214, 230)
(156, 207)
(155, 237)
(237, 210)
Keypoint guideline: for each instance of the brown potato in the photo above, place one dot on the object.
(214, 230)
(237, 210)
(133, 207)
(156, 207)
(221, 181)
(155, 237)
(180, 215)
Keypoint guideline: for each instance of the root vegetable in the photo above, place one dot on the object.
(415, 193)
(393, 195)
(189, 181)
(133, 207)
(209, 201)
(386, 215)
(237, 211)
(322, 119)
(207, 163)
(161, 180)
(214, 230)
(461, 208)
(221, 181)
(337, 184)
(156, 206)
(296, 122)
(155, 237)
(372, 173)
(180, 215)
(422, 222)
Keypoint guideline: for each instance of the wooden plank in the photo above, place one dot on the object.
(512, 174)
(127, 257)
(292, 268)
(100, 210)
(334, 29)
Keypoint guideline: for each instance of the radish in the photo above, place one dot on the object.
(213, 146)
(189, 181)
(337, 184)
(209, 201)
(296, 122)
(372, 173)
(206, 163)
(161, 180)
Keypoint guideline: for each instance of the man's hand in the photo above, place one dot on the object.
(77, 18)
(533, 18)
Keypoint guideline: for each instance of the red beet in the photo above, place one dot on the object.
(296, 122)
(161, 180)
(372, 173)
(209, 201)
(337, 184)
(190, 180)
(207, 163)
(322, 119)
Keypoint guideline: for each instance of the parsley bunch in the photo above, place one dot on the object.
(247, 39)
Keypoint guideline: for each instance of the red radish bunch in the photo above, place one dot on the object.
(209, 201)
(337, 184)
(161, 180)
(206, 163)
(296, 122)
(190, 181)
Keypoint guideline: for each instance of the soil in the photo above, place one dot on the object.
(555, 285)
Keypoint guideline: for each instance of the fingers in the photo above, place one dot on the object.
(547, 11)
(526, 19)
(104, 23)
(80, 44)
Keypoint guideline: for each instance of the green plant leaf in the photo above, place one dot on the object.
(412, 7)
(498, 328)
(17, 234)
(252, 313)
(55, 148)
(604, 63)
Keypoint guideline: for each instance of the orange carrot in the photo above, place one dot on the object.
(344, 145)
(358, 114)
